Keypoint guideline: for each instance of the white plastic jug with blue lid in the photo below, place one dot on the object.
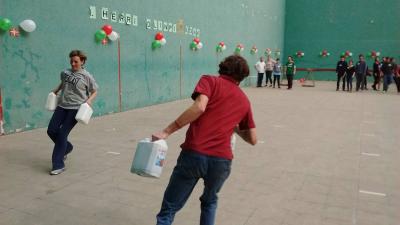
(149, 158)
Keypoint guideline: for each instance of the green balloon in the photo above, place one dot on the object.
(155, 44)
(193, 46)
(100, 35)
(5, 24)
(218, 48)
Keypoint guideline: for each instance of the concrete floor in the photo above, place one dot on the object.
(323, 158)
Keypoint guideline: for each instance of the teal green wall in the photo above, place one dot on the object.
(30, 64)
(357, 25)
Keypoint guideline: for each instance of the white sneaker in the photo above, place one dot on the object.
(58, 171)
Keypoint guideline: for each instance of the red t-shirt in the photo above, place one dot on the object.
(227, 107)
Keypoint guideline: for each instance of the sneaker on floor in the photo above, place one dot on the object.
(58, 171)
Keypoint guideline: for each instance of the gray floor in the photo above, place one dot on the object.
(323, 158)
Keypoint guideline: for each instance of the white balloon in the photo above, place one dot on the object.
(223, 48)
(113, 36)
(200, 45)
(163, 41)
(28, 25)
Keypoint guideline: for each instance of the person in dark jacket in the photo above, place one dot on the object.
(387, 70)
(396, 75)
(349, 75)
(376, 73)
(341, 68)
(361, 72)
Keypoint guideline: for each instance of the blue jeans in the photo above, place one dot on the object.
(61, 123)
(190, 168)
(387, 80)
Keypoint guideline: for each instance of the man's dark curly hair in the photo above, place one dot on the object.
(234, 66)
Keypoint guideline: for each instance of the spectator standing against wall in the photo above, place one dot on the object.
(269, 67)
(260, 67)
(290, 71)
(350, 71)
(387, 70)
(376, 73)
(341, 67)
(396, 75)
(277, 72)
(361, 72)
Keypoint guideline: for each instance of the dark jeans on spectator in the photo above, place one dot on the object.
(340, 76)
(387, 80)
(360, 81)
(268, 76)
(259, 79)
(377, 79)
(397, 80)
(290, 80)
(349, 79)
(277, 78)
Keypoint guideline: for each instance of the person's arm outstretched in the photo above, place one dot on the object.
(189, 115)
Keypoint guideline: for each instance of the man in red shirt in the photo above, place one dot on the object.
(220, 108)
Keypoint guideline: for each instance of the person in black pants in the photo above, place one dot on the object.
(376, 73)
(260, 67)
(361, 72)
(349, 75)
(341, 68)
(396, 72)
(290, 71)
(387, 70)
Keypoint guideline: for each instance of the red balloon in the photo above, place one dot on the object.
(107, 28)
(197, 40)
(222, 43)
(159, 36)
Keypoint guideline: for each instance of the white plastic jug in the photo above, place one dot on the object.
(84, 113)
(149, 158)
(51, 103)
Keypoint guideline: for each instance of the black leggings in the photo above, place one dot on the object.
(268, 76)
(340, 76)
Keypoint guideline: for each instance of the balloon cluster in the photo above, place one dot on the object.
(196, 44)
(347, 54)
(324, 53)
(267, 52)
(253, 50)
(221, 47)
(299, 54)
(239, 48)
(26, 25)
(106, 33)
(373, 54)
(159, 40)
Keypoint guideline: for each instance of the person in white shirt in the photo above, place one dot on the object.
(260, 67)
